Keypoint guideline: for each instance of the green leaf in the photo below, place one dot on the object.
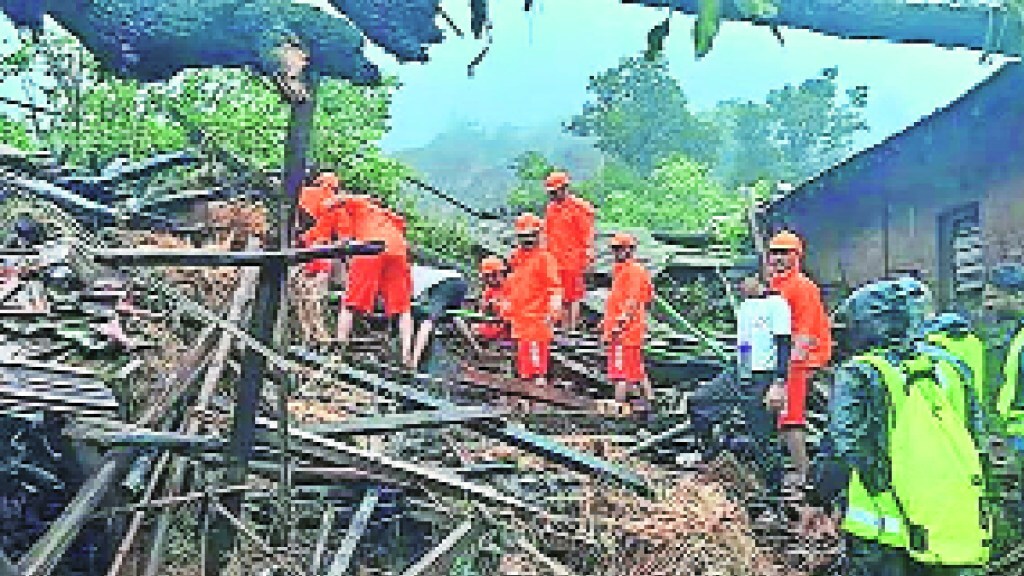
(656, 40)
(709, 14)
(757, 9)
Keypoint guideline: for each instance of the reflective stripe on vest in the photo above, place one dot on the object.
(889, 524)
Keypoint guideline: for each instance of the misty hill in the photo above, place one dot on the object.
(472, 163)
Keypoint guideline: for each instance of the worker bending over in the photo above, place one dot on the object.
(441, 290)
(812, 340)
(535, 300)
(569, 236)
(387, 274)
(625, 322)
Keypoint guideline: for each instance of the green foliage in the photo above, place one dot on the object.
(446, 240)
(679, 195)
(15, 134)
(107, 117)
(797, 132)
(709, 15)
(639, 115)
(531, 168)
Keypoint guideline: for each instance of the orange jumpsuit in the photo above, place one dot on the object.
(493, 298)
(361, 218)
(531, 286)
(569, 234)
(387, 273)
(811, 336)
(626, 310)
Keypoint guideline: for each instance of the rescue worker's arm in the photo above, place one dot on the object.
(554, 281)
(783, 344)
(587, 232)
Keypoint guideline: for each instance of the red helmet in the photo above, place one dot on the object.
(556, 180)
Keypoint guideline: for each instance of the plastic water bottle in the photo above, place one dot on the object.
(746, 367)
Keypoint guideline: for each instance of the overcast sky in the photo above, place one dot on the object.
(537, 69)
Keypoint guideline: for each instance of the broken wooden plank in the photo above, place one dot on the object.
(152, 439)
(343, 557)
(136, 523)
(46, 553)
(251, 492)
(518, 437)
(326, 525)
(406, 421)
(439, 560)
(284, 561)
(127, 257)
(239, 300)
(333, 450)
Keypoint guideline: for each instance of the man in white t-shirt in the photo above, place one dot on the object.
(441, 290)
(763, 344)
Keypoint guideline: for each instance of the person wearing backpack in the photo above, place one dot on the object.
(914, 481)
(1004, 339)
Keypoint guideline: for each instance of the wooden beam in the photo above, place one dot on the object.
(326, 525)
(138, 516)
(333, 450)
(236, 313)
(46, 553)
(343, 557)
(438, 561)
(120, 257)
(405, 421)
(152, 439)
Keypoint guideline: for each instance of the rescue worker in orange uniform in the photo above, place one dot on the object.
(362, 218)
(625, 321)
(535, 300)
(493, 299)
(811, 341)
(569, 236)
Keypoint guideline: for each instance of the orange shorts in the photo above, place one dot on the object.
(573, 286)
(387, 274)
(532, 358)
(625, 364)
(796, 397)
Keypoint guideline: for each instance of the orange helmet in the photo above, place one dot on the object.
(328, 180)
(786, 240)
(622, 240)
(492, 264)
(528, 223)
(556, 180)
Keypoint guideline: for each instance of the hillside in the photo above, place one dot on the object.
(472, 163)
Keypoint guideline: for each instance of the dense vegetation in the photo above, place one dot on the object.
(670, 168)
(102, 118)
